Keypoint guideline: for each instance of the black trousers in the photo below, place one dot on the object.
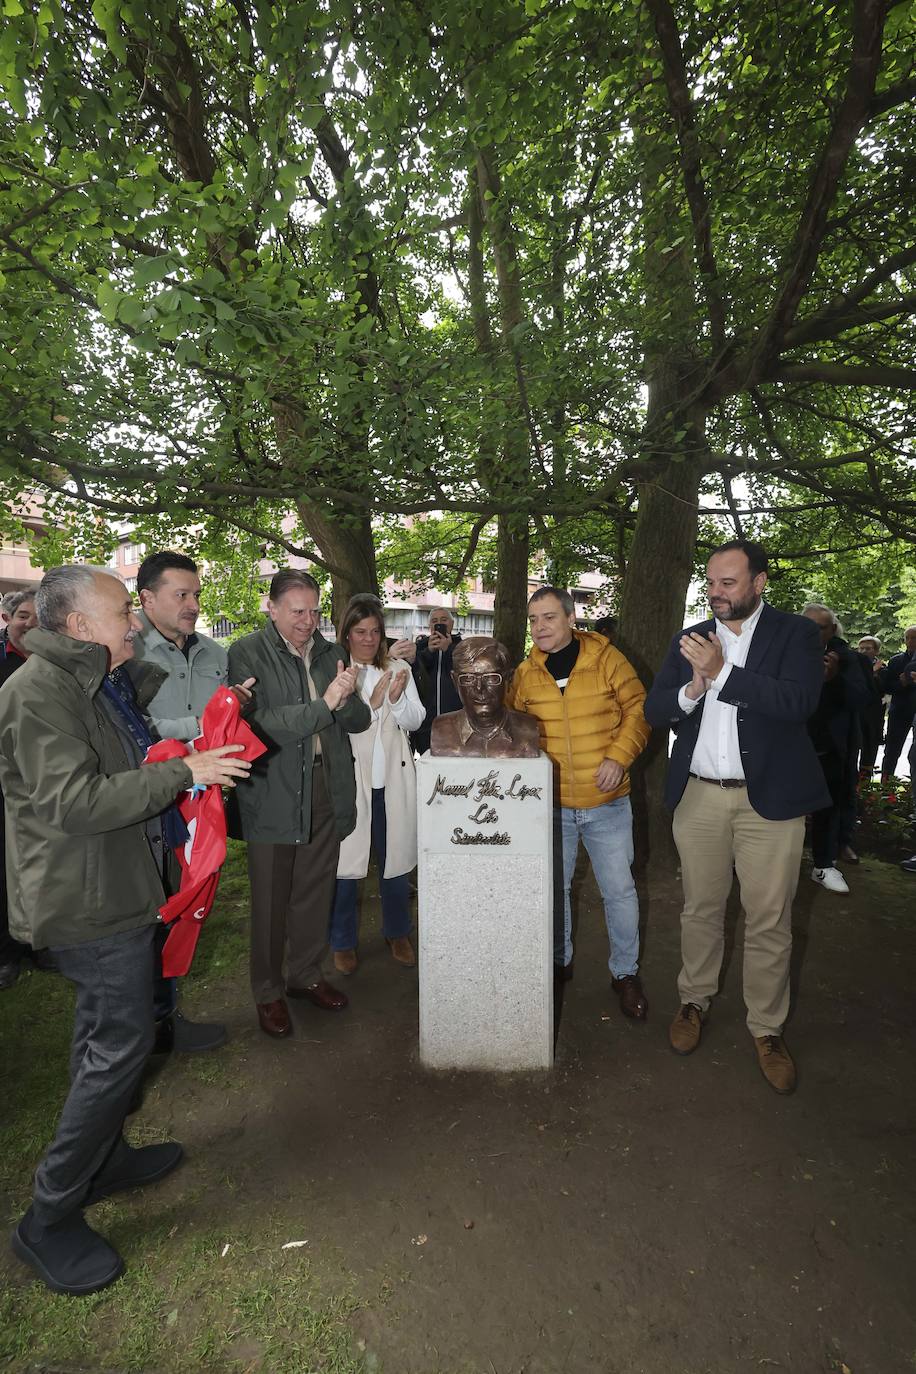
(112, 1039)
(898, 727)
(825, 824)
(292, 892)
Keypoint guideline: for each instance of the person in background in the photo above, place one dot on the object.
(834, 731)
(898, 680)
(607, 626)
(18, 612)
(872, 716)
(386, 796)
(433, 674)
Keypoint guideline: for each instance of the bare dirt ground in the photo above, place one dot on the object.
(629, 1212)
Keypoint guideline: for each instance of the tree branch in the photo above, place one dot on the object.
(801, 260)
(829, 325)
(901, 94)
(841, 374)
(681, 107)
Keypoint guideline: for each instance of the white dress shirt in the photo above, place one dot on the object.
(408, 710)
(716, 753)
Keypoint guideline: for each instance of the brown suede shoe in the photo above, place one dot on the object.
(684, 1031)
(633, 1001)
(402, 951)
(775, 1063)
(345, 960)
(274, 1018)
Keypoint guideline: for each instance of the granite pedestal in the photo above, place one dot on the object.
(485, 928)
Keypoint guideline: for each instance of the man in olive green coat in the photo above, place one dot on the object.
(84, 881)
(300, 800)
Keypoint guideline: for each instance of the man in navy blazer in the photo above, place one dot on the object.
(737, 691)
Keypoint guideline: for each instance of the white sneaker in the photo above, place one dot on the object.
(831, 878)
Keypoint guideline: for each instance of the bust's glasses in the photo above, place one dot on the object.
(483, 679)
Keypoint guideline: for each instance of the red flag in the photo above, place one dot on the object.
(204, 814)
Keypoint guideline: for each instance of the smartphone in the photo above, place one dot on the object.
(441, 628)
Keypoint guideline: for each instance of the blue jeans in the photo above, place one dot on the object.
(607, 833)
(395, 892)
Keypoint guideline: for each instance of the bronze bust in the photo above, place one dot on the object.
(486, 728)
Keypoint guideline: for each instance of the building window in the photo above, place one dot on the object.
(134, 553)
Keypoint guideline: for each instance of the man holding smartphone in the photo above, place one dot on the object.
(432, 673)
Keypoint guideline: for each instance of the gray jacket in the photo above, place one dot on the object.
(78, 863)
(189, 683)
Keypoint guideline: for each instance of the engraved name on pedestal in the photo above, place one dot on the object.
(485, 922)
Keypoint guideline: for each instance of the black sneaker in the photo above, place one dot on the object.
(175, 1034)
(69, 1257)
(132, 1168)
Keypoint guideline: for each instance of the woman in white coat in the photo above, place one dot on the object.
(386, 796)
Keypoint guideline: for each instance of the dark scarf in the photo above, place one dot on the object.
(119, 690)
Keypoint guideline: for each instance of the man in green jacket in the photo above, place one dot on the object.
(300, 800)
(82, 821)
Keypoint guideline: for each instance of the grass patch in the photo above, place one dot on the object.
(185, 1305)
(36, 1024)
(182, 1304)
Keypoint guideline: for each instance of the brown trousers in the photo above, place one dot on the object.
(715, 827)
(292, 892)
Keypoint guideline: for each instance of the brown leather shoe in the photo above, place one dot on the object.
(402, 951)
(775, 1063)
(322, 995)
(686, 1028)
(274, 1018)
(633, 1001)
(345, 961)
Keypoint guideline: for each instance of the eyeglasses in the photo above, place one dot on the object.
(484, 679)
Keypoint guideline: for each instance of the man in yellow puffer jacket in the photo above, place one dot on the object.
(588, 702)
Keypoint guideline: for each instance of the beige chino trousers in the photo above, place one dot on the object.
(714, 828)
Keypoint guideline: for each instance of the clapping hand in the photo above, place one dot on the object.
(398, 685)
(704, 654)
(378, 693)
(343, 686)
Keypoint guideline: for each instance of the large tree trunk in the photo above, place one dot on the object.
(651, 610)
(658, 574)
(511, 585)
(347, 544)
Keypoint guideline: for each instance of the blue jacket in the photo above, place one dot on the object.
(903, 697)
(774, 693)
